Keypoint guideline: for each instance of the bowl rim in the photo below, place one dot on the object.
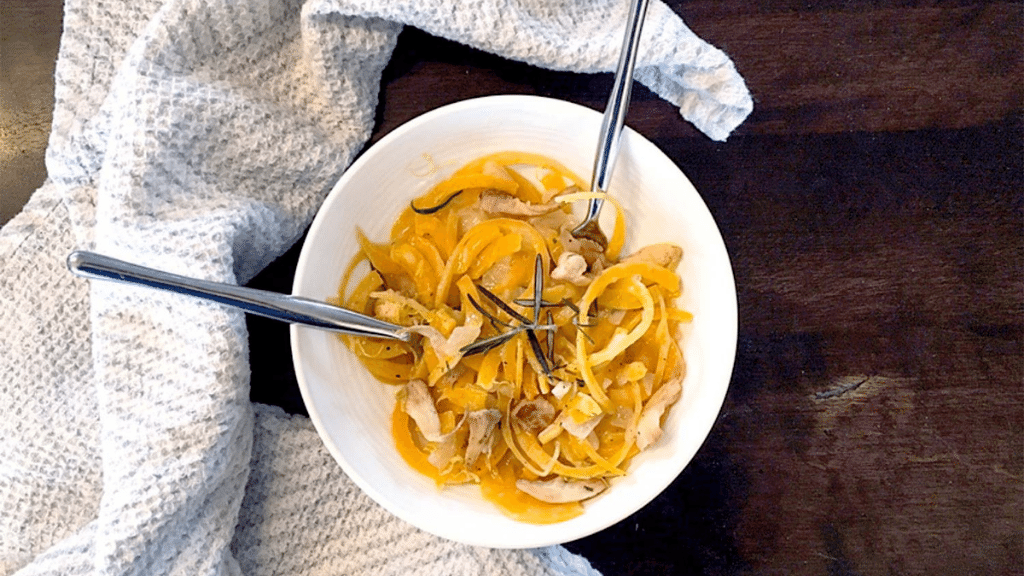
(713, 403)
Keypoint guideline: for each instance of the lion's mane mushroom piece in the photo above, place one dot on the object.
(481, 431)
(648, 430)
(533, 415)
(664, 254)
(558, 490)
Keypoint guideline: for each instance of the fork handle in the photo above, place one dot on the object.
(618, 104)
(293, 309)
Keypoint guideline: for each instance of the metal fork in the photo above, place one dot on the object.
(611, 124)
(294, 309)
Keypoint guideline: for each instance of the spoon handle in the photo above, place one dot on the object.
(293, 309)
(618, 105)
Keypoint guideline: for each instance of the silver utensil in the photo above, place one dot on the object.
(284, 307)
(611, 124)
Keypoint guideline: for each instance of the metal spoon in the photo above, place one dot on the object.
(294, 309)
(611, 124)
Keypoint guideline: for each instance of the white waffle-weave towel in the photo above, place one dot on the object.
(200, 136)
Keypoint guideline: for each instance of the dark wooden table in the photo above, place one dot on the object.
(873, 207)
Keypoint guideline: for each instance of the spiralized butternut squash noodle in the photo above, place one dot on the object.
(542, 363)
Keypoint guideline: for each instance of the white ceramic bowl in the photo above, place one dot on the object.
(351, 410)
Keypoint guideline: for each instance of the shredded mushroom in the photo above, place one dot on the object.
(591, 251)
(420, 407)
(558, 490)
(534, 415)
(446, 450)
(648, 430)
(663, 254)
(572, 268)
(494, 202)
(580, 429)
(448, 350)
(481, 429)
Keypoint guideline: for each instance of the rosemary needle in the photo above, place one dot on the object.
(501, 304)
(551, 340)
(538, 287)
(494, 319)
(433, 209)
(486, 344)
(538, 352)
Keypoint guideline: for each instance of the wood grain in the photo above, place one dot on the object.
(873, 208)
(29, 35)
(875, 69)
(874, 419)
(810, 70)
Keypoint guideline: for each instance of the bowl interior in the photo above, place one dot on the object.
(351, 410)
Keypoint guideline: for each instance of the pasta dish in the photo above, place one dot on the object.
(542, 362)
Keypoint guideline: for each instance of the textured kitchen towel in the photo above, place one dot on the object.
(200, 136)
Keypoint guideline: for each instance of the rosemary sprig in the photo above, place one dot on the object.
(525, 324)
(531, 327)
